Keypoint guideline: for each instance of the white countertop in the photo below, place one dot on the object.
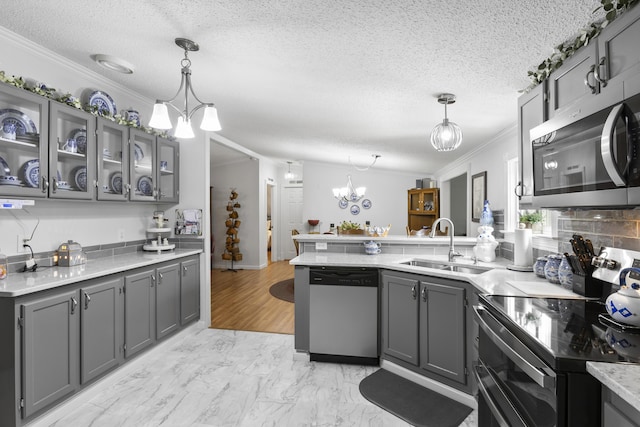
(410, 240)
(621, 378)
(17, 284)
(494, 281)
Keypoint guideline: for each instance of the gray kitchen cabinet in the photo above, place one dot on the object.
(26, 155)
(574, 81)
(167, 299)
(189, 290)
(140, 311)
(112, 160)
(427, 327)
(442, 325)
(619, 56)
(168, 171)
(400, 316)
(101, 326)
(616, 412)
(49, 353)
(153, 168)
(532, 111)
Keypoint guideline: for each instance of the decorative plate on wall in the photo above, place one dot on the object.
(343, 204)
(366, 204)
(355, 210)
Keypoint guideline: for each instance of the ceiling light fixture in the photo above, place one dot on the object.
(289, 174)
(349, 193)
(446, 136)
(375, 159)
(114, 63)
(160, 117)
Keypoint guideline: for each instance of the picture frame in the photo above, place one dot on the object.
(478, 194)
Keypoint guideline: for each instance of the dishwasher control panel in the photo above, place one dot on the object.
(344, 276)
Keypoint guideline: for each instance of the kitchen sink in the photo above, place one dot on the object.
(459, 268)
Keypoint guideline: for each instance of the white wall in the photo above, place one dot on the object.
(386, 190)
(491, 157)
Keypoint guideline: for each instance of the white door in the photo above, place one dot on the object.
(291, 219)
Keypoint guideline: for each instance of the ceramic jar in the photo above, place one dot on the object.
(565, 275)
(551, 268)
(538, 267)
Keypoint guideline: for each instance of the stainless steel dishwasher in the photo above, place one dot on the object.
(343, 315)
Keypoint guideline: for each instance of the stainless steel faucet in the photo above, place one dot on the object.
(452, 251)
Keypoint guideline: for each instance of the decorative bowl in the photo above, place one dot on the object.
(314, 222)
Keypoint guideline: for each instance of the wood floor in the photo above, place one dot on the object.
(242, 301)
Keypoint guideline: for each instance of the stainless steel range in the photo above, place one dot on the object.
(533, 353)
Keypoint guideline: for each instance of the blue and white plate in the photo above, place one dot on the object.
(366, 204)
(23, 123)
(103, 102)
(4, 168)
(30, 173)
(145, 185)
(115, 182)
(138, 154)
(80, 135)
(355, 210)
(79, 176)
(343, 204)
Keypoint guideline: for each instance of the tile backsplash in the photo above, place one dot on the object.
(613, 228)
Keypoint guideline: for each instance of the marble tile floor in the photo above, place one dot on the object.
(213, 377)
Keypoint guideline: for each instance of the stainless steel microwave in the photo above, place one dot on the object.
(590, 162)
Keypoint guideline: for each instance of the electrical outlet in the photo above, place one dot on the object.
(19, 244)
(121, 235)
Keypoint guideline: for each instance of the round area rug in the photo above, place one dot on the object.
(283, 290)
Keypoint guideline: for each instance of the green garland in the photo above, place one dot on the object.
(72, 101)
(612, 9)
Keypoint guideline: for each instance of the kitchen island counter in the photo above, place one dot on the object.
(621, 378)
(18, 284)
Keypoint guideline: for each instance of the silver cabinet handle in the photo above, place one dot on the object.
(153, 280)
(55, 184)
(414, 292)
(607, 147)
(184, 269)
(160, 277)
(586, 79)
(87, 300)
(74, 304)
(424, 293)
(45, 184)
(599, 77)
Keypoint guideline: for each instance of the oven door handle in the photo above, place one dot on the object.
(493, 406)
(607, 147)
(540, 377)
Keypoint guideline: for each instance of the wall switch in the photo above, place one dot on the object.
(321, 246)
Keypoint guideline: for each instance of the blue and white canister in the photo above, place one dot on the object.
(551, 268)
(538, 267)
(565, 274)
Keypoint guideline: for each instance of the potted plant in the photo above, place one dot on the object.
(532, 220)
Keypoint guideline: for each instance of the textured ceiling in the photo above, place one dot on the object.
(322, 80)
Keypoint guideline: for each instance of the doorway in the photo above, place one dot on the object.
(270, 212)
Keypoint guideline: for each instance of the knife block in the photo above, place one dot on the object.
(586, 285)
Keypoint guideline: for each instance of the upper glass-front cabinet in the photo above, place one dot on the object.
(24, 120)
(168, 170)
(72, 153)
(113, 158)
(142, 155)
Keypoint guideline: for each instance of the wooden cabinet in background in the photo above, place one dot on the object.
(423, 207)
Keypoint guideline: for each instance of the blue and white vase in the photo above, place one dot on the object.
(538, 267)
(565, 275)
(551, 268)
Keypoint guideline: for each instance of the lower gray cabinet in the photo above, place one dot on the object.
(189, 290)
(617, 412)
(400, 317)
(101, 327)
(425, 326)
(442, 325)
(140, 311)
(167, 299)
(49, 350)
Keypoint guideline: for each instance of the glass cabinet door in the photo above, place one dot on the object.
(24, 120)
(113, 160)
(142, 155)
(168, 170)
(72, 153)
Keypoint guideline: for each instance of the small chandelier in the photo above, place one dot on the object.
(289, 174)
(446, 136)
(160, 117)
(349, 193)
